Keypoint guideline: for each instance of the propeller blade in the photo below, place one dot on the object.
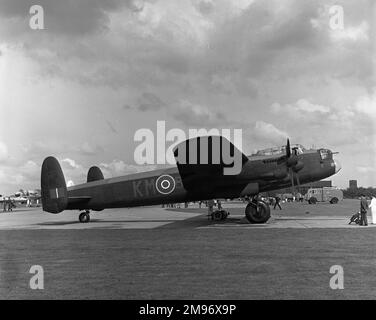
(292, 180)
(298, 181)
(288, 149)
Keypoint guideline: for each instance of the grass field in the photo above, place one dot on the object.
(186, 263)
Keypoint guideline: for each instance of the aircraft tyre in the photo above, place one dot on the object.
(84, 217)
(257, 213)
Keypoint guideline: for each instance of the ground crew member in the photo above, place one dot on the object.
(277, 200)
(363, 211)
(219, 204)
(210, 207)
(373, 209)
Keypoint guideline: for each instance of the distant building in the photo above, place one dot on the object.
(353, 184)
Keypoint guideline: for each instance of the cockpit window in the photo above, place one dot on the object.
(279, 150)
(325, 154)
(298, 149)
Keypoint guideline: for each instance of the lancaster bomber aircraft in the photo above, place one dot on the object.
(191, 181)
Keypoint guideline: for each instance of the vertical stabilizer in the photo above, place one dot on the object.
(54, 188)
(94, 174)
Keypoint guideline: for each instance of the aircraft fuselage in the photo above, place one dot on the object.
(259, 174)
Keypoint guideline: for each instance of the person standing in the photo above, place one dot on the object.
(6, 206)
(277, 200)
(210, 207)
(373, 209)
(9, 204)
(363, 211)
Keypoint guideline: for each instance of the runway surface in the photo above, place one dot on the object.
(293, 215)
(154, 253)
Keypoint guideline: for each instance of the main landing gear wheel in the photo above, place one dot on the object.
(84, 217)
(257, 212)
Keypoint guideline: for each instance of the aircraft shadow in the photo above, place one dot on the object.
(63, 223)
(202, 221)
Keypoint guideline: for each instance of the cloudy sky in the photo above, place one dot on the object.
(101, 70)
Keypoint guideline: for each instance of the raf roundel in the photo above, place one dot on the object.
(165, 184)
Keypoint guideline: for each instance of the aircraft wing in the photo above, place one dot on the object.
(207, 160)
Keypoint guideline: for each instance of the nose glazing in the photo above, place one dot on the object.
(337, 166)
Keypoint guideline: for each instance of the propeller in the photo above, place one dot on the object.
(288, 148)
(294, 165)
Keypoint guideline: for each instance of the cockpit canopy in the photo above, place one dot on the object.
(279, 150)
(326, 154)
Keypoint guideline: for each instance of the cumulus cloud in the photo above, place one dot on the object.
(301, 108)
(105, 68)
(70, 183)
(352, 33)
(150, 102)
(30, 169)
(90, 149)
(70, 164)
(119, 167)
(367, 104)
(366, 169)
(71, 17)
(337, 126)
(205, 6)
(197, 115)
(269, 133)
(24, 176)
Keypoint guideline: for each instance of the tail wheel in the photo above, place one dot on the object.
(257, 213)
(84, 217)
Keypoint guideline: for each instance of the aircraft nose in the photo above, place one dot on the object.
(337, 166)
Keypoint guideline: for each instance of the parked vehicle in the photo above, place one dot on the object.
(324, 194)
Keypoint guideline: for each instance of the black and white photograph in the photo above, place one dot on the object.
(191, 152)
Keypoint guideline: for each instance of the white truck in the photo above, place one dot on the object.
(324, 194)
